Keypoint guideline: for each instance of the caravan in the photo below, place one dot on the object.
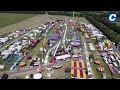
(112, 58)
(2, 67)
(116, 69)
(115, 64)
(118, 61)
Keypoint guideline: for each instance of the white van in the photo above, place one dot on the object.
(13, 68)
(115, 64)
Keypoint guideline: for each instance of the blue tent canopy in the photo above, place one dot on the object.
(76, 39)
(55, 37)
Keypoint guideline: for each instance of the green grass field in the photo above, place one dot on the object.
(11, 18)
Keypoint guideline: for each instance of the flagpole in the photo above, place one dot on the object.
(47, 15)
(73, 15)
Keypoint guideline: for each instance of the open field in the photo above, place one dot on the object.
(82, 19)
(11, 18)
(24, 24)
(98, 74)
(31, 22)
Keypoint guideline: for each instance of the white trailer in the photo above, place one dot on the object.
(115, 64)
(113, 59)
(118, 61)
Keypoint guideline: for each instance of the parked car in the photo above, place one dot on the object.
(56, 66)
(32, 63)
(36, 63)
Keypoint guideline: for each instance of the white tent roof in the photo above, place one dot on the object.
(24, 40)
(90, 44)
(99, 35)
(12, 46)
(25, 37)
(3, 39)
(2, 66)
(18, 47)
(63, 56)
(35, 30)
(92, 48)
(6, 52)
(37, 76)
(17, 31)
(30, 35)
(11, 49)
(17, 43)
(75, 55)
(27, 77)
(95, 32)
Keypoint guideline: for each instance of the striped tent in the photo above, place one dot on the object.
(78, 70)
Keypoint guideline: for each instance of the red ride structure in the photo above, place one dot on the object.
(33, 42)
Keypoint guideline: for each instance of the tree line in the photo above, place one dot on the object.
(113, 36)
(66, 13)
(112, 26)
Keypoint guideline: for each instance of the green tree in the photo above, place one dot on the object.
(110, 34)
(91, 56)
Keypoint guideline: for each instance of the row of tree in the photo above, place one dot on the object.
(113, 36)
(24, 12)
(67, 13)
(103, 18)
(112, 26)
